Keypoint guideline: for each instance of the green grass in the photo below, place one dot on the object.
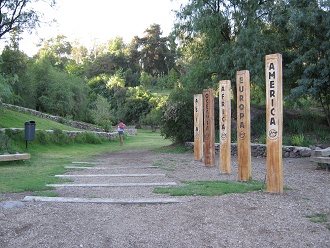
(49, 160)
(14, 119)
(210, 188)
(318, 218)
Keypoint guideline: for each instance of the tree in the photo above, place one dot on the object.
(59, 47)
(13, 69)
(19, 16)
(219, 38)
(307, 28)
(156, 58)
(136, 105)
(101, 113)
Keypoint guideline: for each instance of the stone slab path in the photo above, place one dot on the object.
(87, 175)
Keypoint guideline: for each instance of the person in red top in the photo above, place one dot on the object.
(120, 128)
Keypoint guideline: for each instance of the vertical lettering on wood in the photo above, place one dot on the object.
(274, 120)
(225, 125)
(243, 125)
(209, 137)
(198, 127)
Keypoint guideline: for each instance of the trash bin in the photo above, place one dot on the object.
(30, 130)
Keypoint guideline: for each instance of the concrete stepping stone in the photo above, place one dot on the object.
(112, 175)
(104, 200)
(113, 184)
(110, 168)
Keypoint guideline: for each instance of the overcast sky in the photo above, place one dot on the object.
(102, 20)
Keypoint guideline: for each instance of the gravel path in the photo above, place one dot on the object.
(257, 219)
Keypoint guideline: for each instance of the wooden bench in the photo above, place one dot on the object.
(13, 157)
(322, 156)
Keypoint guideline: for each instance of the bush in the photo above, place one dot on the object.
(91, 138)
(7, 145)
(177, 122)
(42, 137)
(59, 137)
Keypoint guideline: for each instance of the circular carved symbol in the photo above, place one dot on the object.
(207, 136)
(196, 136)
(241, 135)
(272, 134)
(223, 136)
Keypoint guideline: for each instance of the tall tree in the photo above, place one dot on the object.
(306, 25)
(155, 54)
(19, 15)
(58, 46)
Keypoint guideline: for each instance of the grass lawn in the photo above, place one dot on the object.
(49, 160)
(14, 119)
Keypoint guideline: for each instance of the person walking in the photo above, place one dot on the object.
(120, 128)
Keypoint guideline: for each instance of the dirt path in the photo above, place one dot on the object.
(256, 219)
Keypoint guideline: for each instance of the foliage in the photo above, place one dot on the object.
(55, 91)
(59, 47)
(7, 145)
(59, 137)
(101, 114)
(146, 80)
(19, 16)
(177, 122)
(308, 48)
(156, 57)
(298, 140)
(136, 106)
(91, 138)
(6, 90)
(42, 137)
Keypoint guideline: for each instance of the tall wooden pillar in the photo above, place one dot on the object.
(198, 127)
(225, 125)
(243, 125)
(274, 120)
(209, 137)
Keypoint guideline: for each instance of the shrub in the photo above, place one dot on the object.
(59, 137)
(42, 137)
(91, 138)
(6, 144)
(177, 122)
(298, 140)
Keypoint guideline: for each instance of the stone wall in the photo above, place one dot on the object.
(259, 150)
(130, 130)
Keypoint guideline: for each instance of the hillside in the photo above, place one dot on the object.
(15, 119)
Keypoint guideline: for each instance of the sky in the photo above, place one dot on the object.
(101, 20)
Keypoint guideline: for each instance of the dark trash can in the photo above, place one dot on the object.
(30, 130)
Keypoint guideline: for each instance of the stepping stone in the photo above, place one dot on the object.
(109, 168)
(114, 185)
(113, 175)
(86, 163)
(105, 200)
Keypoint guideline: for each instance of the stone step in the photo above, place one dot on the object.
(112, 175)
(110, 168)
(104, 200)
(113, 185)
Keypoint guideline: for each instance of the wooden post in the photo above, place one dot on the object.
(225, 125)
(198, 127)
(209, 137)
(243, 125)
(274, 120)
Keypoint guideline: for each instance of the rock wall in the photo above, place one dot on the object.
(130, 130)
(259, 150)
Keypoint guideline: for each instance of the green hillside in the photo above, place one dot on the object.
(15, 119)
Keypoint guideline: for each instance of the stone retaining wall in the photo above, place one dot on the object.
(259, 150)
(130, 130)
